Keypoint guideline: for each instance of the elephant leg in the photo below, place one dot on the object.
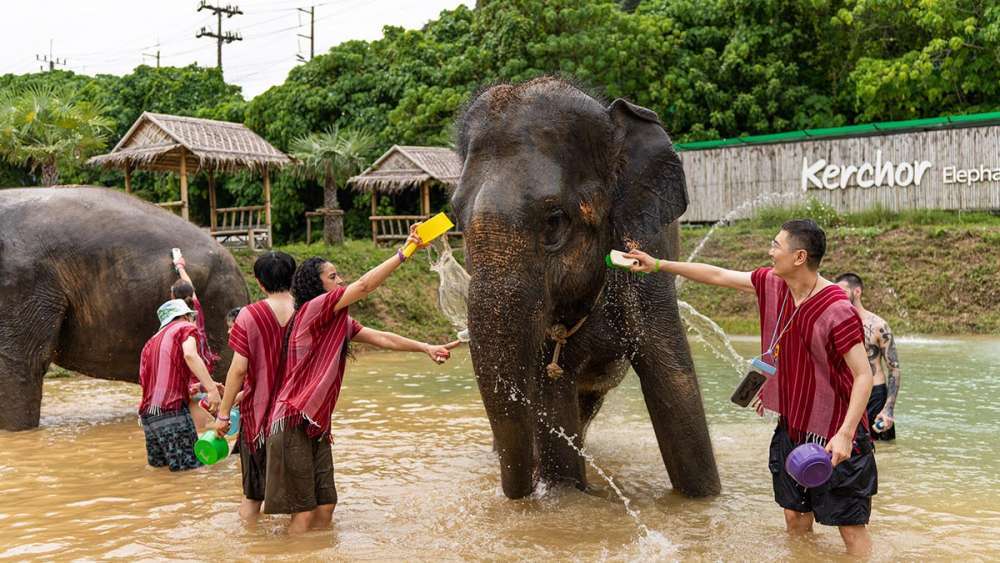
(590, 404)
(673, 399)
(29, 330)
(558, 434)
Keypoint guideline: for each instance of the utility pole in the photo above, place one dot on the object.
(50, 59)
(312, 32)
(151, 55)
(220, 37)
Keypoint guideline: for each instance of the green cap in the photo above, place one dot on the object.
(171, 310)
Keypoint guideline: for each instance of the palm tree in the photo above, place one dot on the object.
(332, 156)
(45, 128)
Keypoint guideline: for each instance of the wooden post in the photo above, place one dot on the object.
(213, 220)
(128, 178)
(425, 198)
(184, 186)
(374, 213)
(267, 204)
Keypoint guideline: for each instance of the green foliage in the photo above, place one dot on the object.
(45, 127)
(331, 156)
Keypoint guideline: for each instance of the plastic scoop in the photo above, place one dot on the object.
(210, 448)
(430, 230)
(809, 465)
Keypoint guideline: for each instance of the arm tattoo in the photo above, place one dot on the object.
(893, 375)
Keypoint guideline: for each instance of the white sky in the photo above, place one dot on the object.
(110, 36)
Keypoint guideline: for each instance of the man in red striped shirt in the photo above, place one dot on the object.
(814, 337)
(256, 338)
(168, 360)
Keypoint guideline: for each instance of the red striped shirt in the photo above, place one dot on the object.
(163, 373)
(314, 364)
(812, 387)
(258, 337)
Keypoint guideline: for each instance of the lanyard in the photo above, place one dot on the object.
(775, 336)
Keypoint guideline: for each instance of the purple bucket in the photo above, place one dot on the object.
(809, 465)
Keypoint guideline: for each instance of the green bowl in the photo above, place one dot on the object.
(210, 448)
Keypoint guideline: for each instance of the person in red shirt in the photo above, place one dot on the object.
(300, 477)
(167, 362)
(814, 337)
(257, 338)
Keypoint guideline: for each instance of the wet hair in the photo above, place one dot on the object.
(808, 236)
(306, 283)
(274, 271)
(853, 280)
(306, 286)
(232, 314)
(183, 290)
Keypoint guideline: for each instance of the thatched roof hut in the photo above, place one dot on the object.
(158, 141)
(175, 143)
(402, 168)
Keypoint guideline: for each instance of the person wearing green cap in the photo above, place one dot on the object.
(167, 362)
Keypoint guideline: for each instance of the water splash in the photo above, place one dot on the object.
(712, 335)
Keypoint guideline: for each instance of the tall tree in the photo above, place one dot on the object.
(45, 128)
(332, 156)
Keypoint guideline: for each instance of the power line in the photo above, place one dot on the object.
(220, 37)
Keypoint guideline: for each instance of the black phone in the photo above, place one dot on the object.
(748, 388)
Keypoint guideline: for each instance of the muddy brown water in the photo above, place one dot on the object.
(417, 479)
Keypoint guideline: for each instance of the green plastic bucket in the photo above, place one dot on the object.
(210, 448)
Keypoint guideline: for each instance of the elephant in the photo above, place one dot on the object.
(82, 271)
(552, 180)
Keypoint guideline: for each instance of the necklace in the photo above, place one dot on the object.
(775, 336)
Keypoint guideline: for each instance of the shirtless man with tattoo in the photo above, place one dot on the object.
(881, 348)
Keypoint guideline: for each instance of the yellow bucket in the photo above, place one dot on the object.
(430, 230)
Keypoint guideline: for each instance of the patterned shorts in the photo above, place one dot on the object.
(170, 438)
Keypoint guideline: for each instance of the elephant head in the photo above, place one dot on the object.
(553, 179)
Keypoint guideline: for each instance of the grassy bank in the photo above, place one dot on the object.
(929, 273)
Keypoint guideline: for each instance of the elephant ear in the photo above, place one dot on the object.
(650, 192)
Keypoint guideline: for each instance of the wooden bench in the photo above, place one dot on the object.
(242, 225)
(391, 228)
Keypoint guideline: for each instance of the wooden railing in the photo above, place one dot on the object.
(174, 206)
(235, 223)
(390, 228)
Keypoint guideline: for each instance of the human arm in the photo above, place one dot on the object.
(234, 383)
(197, 367)
(892, 377)
(181, 266)
(369, 282)
(393, 341)
(839, 445)
(694, 271)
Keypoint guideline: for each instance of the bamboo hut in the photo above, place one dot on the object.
(188, 145)
(401, 169)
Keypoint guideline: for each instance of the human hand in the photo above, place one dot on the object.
(887, 420)
(220, 426)
(646, 262)
(180, 263)
(214, 400)
(839, 447)
(415, 238)
(439, 354)
(239, 398)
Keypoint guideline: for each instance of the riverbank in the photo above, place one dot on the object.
(923, 279)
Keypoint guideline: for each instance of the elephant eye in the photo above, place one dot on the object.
(555, 222)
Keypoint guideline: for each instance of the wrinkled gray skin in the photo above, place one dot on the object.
(553, 180)
(82, 271)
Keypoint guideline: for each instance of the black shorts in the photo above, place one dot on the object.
(844, 500)
(170, 438)
(299, 472)
(253, 466)
(875, 405)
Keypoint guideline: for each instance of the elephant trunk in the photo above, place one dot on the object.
(506, 299)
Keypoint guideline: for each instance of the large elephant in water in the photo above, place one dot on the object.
(553, 180)
(82, 271)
